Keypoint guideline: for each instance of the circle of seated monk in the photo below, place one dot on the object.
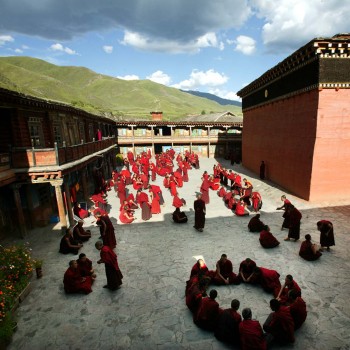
(74, 282)
(288, 306)
(308, 250)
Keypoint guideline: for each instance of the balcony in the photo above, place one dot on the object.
(222, 137)
(57, 156)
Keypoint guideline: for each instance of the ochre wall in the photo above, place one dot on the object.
(331, 165)
(283, 134)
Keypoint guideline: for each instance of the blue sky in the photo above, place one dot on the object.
(212, 46)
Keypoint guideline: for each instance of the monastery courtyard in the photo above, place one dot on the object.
(155, 257)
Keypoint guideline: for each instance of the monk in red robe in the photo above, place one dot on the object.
(125, 215)
(106, 231)
(247, 271)
(289, 284)
(224, 272)
(327, 234)
(79, 233)
(205, 190)
(74, 282)
(267, 239)
(113, 273)
(256, 201)
(68, 244)
(121, 191)
(154, 198)
(294, 224)
(156, 189)
(199, 268)
(285, 206)
(268, 279)
(222, 191)
(241, 209)
(297, 309)
(80, 212)
(195, 291)
(166, 181)
(153, 169)
(185, 172)
(177, 202)
(208, 312)
(85, 266)
(145, 204)
(227, 327)
(251, 333)
(178, 178)
(199, 213)
(255, 224)
(308, 250)
(279, 325)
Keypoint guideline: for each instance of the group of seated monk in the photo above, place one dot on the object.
(79, 276)
(288, 308)
(71, 242)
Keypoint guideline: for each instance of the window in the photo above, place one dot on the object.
(57, 134)
(36, 132)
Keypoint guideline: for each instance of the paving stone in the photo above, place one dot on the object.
(149, 311)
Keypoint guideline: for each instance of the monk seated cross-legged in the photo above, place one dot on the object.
(308, 250)
(74, 282)
(251, 333)
(208, 312)
(226, 329)
(224, 272)
(255, 224)
(85, 266)
(247, 271)
(179, 216)
(267, 239)
(79, 233)
(297, 309)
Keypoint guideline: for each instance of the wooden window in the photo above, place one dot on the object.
(36, 132)
(57, 134)
(82, 131)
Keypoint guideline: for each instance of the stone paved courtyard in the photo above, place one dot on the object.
(149, 311)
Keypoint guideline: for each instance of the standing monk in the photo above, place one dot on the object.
(286, 203)
(113, 273)
(106, 230)
(327, 234)
(199, 213)
(205, 190)
(294, 224)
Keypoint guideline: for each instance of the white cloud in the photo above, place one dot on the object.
(143, 42)
(290, 24)
(197, 79)
(229, 95)
(61, 48)
(245, 44)
(18, 51)
(160, 77)
(129, 77)
(25, 47)
(108, 49)
(6, 39)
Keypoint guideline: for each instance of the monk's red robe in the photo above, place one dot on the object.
(268, 240)
(107, 231)
(166, 182)
(307, 253)
(327, 233)
(185, 173)
(205, 191)
(240, 209)
(196, 270)
(80, 212)
(247, 268)
(123, 218)
(84, 267)
(155, 206)
(73, 282)
(172, 187)
(226, 271)
(281, 326)
(298, 312)
(252, 335)
(179, 179)
(113, 273)
(207, 314)
(269, 280)
(145, 206)
(222, 192)
(177, 202)
(256, 200)
(255, 224)
(284, 295)
(135, 169)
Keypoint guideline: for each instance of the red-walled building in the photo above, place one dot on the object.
(297, 119)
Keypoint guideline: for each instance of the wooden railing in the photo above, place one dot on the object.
(178, 138)
(43, 157)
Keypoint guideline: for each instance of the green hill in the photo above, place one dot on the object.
(100, 94)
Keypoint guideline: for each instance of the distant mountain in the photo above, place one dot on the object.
(219, 100)
(101, 94)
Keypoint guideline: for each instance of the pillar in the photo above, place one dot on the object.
(69, 204)
(20, 216)
(60, 204)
